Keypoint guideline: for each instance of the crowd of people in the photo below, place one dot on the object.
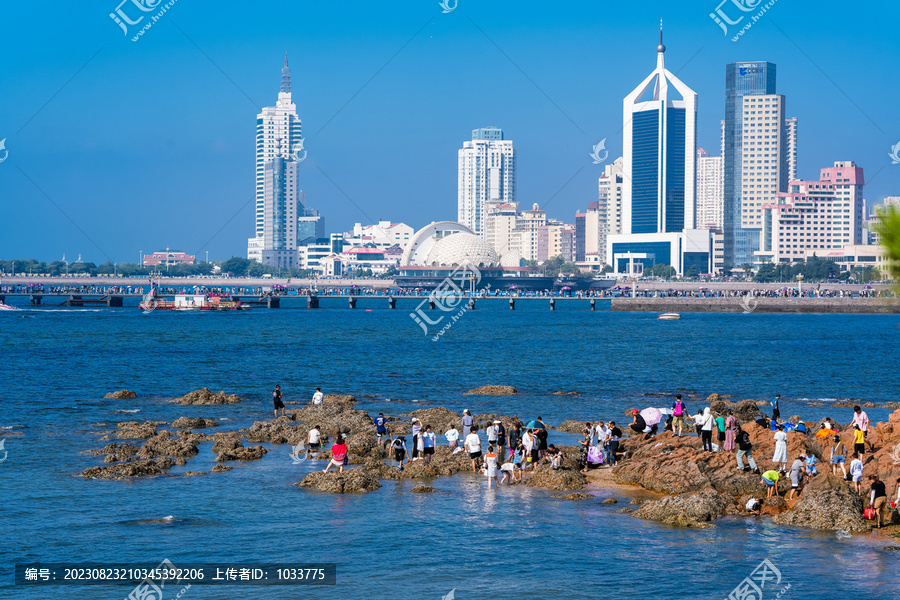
(520, 448)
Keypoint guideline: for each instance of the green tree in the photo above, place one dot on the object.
(888, 227)
(606, 269)
(663, 271)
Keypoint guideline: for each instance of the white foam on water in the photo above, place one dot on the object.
(127, 410)
(169, 518)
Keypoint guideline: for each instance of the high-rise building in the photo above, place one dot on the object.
(487, 175)
(610, 189)
(277, 136)
(710, 191)
(660, 151)
(741, 79)
(280, 212)
(790, 132)
(764, 165)
(524, 238)
(659, 171)
(499, 224)
(815, 217)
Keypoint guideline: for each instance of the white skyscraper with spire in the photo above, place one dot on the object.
(659, 171)
(277, 137)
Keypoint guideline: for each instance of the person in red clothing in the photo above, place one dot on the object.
(338, 454)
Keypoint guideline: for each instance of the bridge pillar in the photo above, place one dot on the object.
(36, 300)
(471, 303)
(273, 302)
(352, 302)
(593, 304)
(114, 301)
(552, 303)
(392, 302)
(431, 303)
(512, 304)
(312, 302)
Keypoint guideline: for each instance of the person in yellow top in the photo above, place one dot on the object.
(770, 478)
(859, 441)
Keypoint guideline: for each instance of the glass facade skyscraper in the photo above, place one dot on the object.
(741, 79)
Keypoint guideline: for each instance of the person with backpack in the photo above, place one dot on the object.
(678, 412)
(745, 448)
(398, 449)
(706, 429)
(838, 456)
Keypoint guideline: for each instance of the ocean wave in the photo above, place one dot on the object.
(127, 410)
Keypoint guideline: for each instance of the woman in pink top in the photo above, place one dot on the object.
(861, 419)
(338, 454)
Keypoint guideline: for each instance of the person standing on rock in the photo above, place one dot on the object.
(861, 420)
(730, 424)
(541, 435)
(473, 447)
(313, 441)
(859, 441)
(338, 454)
(428, 443)
(491, 433)
(838, 456)
(276, 400)
(877, 499)
(467, 422)
(380, 430)
(529, 442)
(318, 397)
(856, 472)
(515, 436)
(398, 448)
(615, 434)
(796, 474)
(452, 436)
(678, 412)
(416, 428)
(745, 448)
(776, 409)
(780, 457)
(706, 429)
(501, 439)
(770, 478)
(720, 430)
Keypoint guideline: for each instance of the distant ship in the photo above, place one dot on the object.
(190, 302)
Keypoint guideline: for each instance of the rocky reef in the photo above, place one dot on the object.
(204, 396)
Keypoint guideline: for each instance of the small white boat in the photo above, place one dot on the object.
(669, 316)
(7, 307)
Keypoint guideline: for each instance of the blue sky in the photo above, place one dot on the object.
(118, 146)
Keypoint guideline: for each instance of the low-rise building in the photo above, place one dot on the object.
(169, 258)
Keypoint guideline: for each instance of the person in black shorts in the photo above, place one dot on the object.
(276, 399)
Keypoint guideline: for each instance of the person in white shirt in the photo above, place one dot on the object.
(314, 441)
(318, 397)
(491, 433)
(530, 443)
(452, 436)
(603, 440)
(473, 447)
(427, 440)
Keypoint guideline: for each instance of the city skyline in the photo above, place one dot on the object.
(161, 171)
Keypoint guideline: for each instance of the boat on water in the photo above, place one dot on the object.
(190, 302)
(669, 316)
(7, 307)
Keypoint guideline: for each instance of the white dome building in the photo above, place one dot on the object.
(448, 244)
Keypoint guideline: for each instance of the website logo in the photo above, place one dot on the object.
(447, 6)
(596, 153)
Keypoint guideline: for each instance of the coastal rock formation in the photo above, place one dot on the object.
(573, 496)
(493, 390)
(120, 395)
(277, 431)
(193, 423)
(611, 501)
(444, 463)
(130, 470)
(133, 430)
(165, 443)
(439, 418)
(686, 510)
(220, 468)
(335, 416)
(193, 473)
(346, 398)
(571, 426)
(564, 480)
(348, 482)
(745, 411)
(235, 450)
(115, 452)
(828, 503)
(422, 489)
(204, 396)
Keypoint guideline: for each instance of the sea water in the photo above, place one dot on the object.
(516, 542)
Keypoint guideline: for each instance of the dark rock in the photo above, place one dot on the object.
(220, 468)
(193, 473)
(611, 501)
(237, 451)
(204, 396)
(574, 496)
(493, 390)
(129, 470)
(422, 489)
(686, 510)
(625, 510)
(335, 416)
(345, 398)
(571, 426)
(167, 444)
(120, 395)
(193, 423)
(133, 430)
(277, 431)
(116, 452)
(637, 501)
(563, 480)
(827, 503)
(348, 482)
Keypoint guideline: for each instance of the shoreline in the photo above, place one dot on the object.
(747, 305)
